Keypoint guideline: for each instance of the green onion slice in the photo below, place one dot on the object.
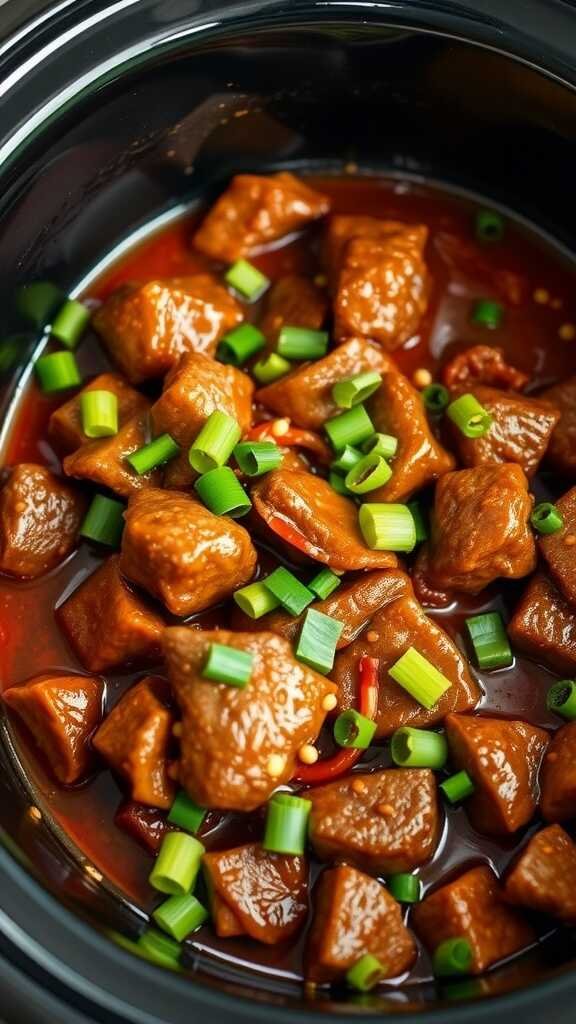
(418, 748)
(257, 457)
(489, 226)
(381, 444)
(159, 949)
(353, 730)
(387, 527)
(177, 864)
(302, 343)
(270, 369)
(228, 665)
(240, 344)
(256, 600)
(247, 280)
(348, 393)
(286, 824)
(469, 416)
(180, 915)
(435, 397)
(324, 584)
(153, 455)
(487, 313)
(419, 678)
(104, 521)
(489, 640)
(223, 493)
(561, 699)
(70, 323)
(352, 427)
(405, 888)
(547, 518)
(318, 639)
(290, 592)
(457, 787)
(453, 956)
(371, 472)
(185, 813)
(99, 412)
(348, 457)
(366, 973)
(420, 523)
(336, 481)
(57, 372)
(215, 442)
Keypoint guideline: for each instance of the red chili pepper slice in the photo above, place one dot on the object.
(292, 535)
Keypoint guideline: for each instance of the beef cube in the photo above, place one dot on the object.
(561, 454)
(482, 365)
(382, 823)
(264, 894)
(146, 825)
(520, 431)
(355, 915)
(238, 745)
(398, 625)
(292, 301)
(254, 211)
(544, 626)
(305, 394)
(304, 510)
(544, 876)
(107, 625)
(147, 327)
(558, 776)
(104, 461)
(472, 907)
(559, 549)
(181, 553)
(134, 739)
(224, 920)
(65, 426)
(383, 287)
(40, 516)
(503, 760)
(61, 713)
(397, 409)
(342, 228)
(480, 528)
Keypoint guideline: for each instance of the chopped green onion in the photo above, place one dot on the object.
(367, 475)
(215, 442)
(57, 372)
(70, 323)
(469, 416)
(153, 455)
(324, 584)
(286, 824)
(256, 600)
(489, 226)
(239, 345)
(489, 640)
(348, 393)
(291, 593)
(405, 888)
(453, 956)
(177, 864)
(104, 521)
(366, 973)
(185, 813)
(347, 458)
(257, 457)
(435, 397)
(381, 444)
(418, 748)
(246, 279)
(547, 518)
(387, 527)
(351, 729)
(180, 915)
(336, 481)
(457, 787)
(228, 665)
(562, 699)
(222, 493)
(318, 639)
(351, 427)
(159, 949)
(302, 343)
(99, 411)
(419, 678)
(420, 523)
(487, 313)
(270, 369)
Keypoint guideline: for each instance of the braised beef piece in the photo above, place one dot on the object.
(294, 301)
(428, 595)
(238, 745)
(40, 517)
(342, 228)
(65, 425)
(104, 461)
(561, 454)
(544, 625)
(559, 549)
(61, 713)
(543, 878)
(146, 825)
(482, 365)
(558, 776)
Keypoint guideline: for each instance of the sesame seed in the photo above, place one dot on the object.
(570, 540)
(567, 332)
(541, 296)
(386, 810)
(35, 813)
(329, 703)
(421, 378)
(308, 754)
(372, 636)
(177, 729)
(275, 765)
(280, 427)
(93, 872)
(358, 786)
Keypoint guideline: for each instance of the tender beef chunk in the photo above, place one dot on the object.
(266, 894)
(559, 549)
(254, 211)
(65, 426)
(472, 907)
(397, 626)
(342, 228)
(544, 876)
(224, 920)
(134, 739)
(544, 625)
(238, 745)
(468, 264)
(561, 454)
(295, 301)
(40, 516)
(503, 760)
(307, 512)
(520, 431)
(109, 626)
(195, 388)
(61, 713)
(397, 409)
(482, 365)
(558, 776)
(355, 915)
(305, 394)
(147, 327)
(353, 604)
(146, 825)
(480, 528)
(381, 823)
(428, 595)
(383, 287)
(104, 461)
(181, 553)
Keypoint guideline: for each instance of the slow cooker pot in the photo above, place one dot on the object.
(113, 114)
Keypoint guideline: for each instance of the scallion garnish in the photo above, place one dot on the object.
(256, 600)
(155, 454)
(240, 344)
(489, 226)
(246, 279)
(302, 343)
(99, 413)
(453, 956)
(561, 699)
(404, 888)
(348, 393)
(347, 458)
(435, 397)
(228, 665)
(351, 729)
(177, 864)
(366, 973)
(104, 521)
(159, 949)
(291, 593)
(419, 678)
(215, 442)
(469, 416)
(489, 640)
(420, 523)
(270, 369)
(318, 639)
(257, 457)
(324, 584)
(381, 444)
(457, 787)
(336, 481)
(547, 518)
(223, 493)
(487, 313)
(286, 824)
(178, 916)
(351, 427)
(370, 473)
(185, 813)
(418, 748)
(57, 371)
(387, 527)
(70, 323)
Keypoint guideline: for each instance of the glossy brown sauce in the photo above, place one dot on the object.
(31, 642)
